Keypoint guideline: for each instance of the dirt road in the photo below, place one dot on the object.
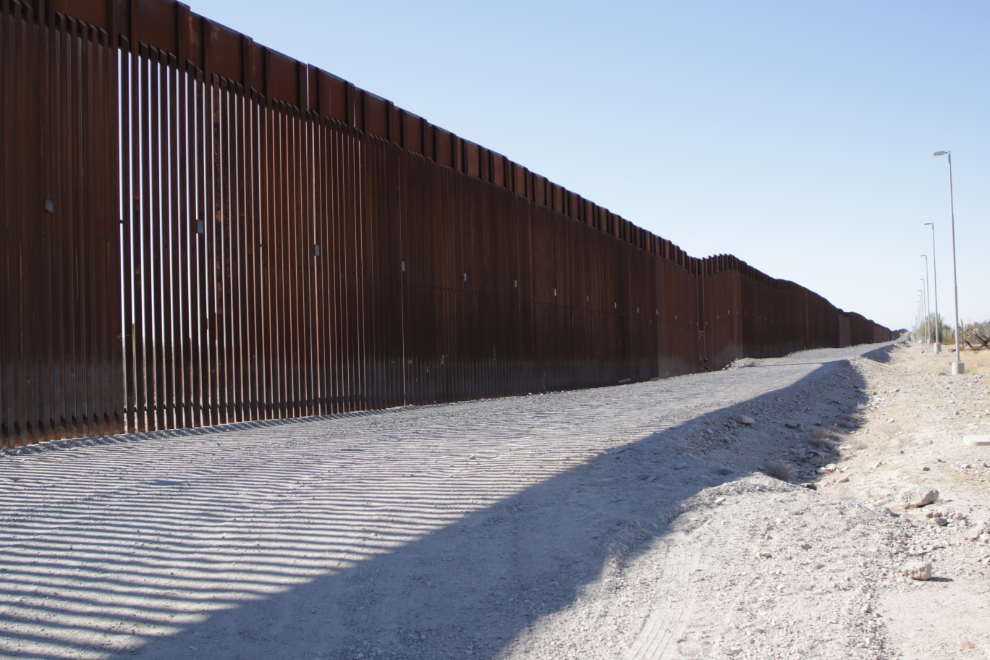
(627, 522)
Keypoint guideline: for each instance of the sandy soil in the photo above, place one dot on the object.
(915, 424)
(629, 522)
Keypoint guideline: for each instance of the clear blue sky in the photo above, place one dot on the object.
(797, 136)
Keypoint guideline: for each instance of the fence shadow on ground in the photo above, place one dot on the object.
(363, 548)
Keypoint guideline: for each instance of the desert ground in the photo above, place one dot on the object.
(762, 511)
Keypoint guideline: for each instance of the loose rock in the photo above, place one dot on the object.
(918, 571)
(915, 497)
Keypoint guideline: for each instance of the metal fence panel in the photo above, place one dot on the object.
(291, 245)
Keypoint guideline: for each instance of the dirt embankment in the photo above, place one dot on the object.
(913, 440)
(754, 568)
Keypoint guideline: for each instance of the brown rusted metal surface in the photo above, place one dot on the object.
(291, 245)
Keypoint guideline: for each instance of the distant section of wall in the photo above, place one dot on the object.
(198, 230)
(845, 330)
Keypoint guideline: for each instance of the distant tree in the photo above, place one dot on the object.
(947, 335)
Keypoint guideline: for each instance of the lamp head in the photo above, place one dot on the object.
(940, 153)
(930, 223)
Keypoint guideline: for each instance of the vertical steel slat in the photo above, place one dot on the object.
(101, 224)
(360, 283)
(267, 308)
(145, 331)
(108, 255)
(213, 252)
(45, 262)
(69, 209)
(242, 182)
(186, 223)
(270, 311)
(59, 257)
(22, 262)
(90, 233)
(332, 266)
(290, 228)
(19, 98)
(114, 232)
(273, 312)
(232, 262)
(130, 183)
(248, 286)
(218, 246)
(388, 278)
(369, 182)
(287, 232)
(33, 265)
(391, 267)
(326, 263)
(281, 340)
(339, 356)
(254, 219)
(221, 249)
(290, 237)
(37, 237)
(80, 202)
(157, 291)
(174, 291)
(306, 252)
(319, 291)
(315, 127)
(6, 196)
(66, 212)
(309, 247)
(348, 312)
(287, 274)
(235, 223)
(290, 208)
(93, 226)
(298, 263)
(370, 201)
(201, 352)
(376, 249)
(225, 300)
(26, 259)
(260, 260)
(360, 306)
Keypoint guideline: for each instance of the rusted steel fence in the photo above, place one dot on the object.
(198, 230)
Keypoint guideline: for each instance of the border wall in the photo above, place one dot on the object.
(198, 230)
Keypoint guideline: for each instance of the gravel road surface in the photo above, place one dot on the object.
(628, 522)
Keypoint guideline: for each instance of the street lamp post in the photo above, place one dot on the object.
(924, 311)
(957, 366)
(938, 320)
(928, 302)
(921, 308)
